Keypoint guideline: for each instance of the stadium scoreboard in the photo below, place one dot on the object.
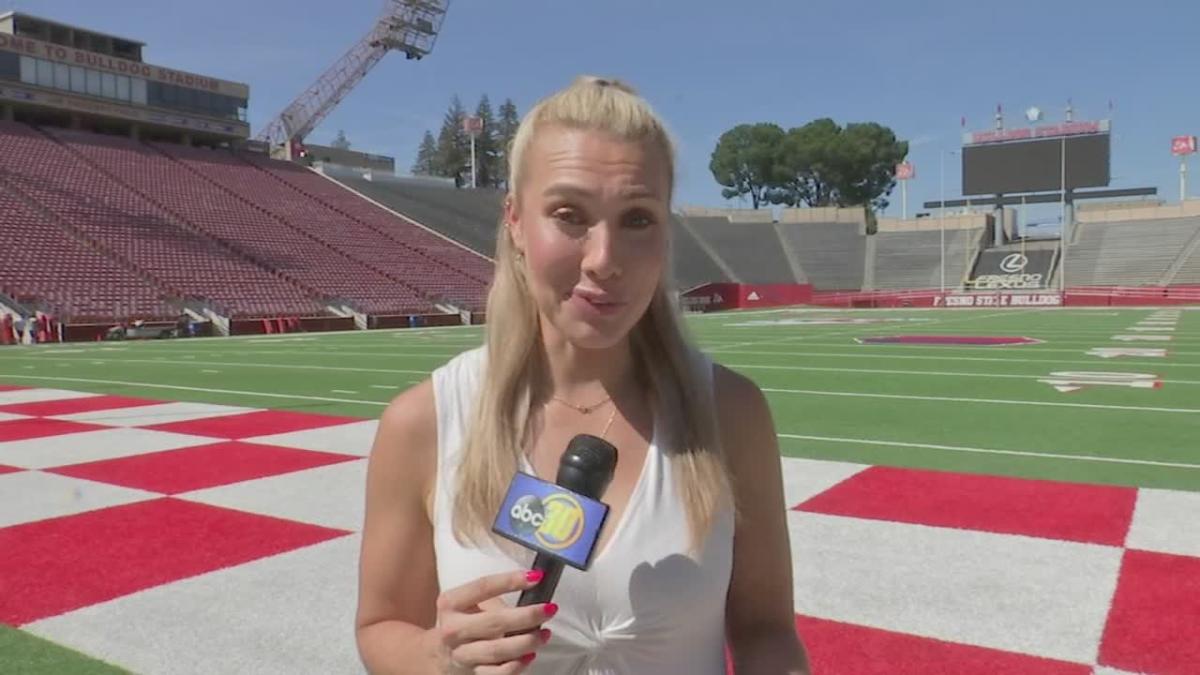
(1030, 159)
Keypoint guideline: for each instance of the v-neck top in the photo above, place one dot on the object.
(647, 604)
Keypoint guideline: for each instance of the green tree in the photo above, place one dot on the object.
(506, 128)
(453, 143)
(426, 164)
(870, 153)
(807, 162)
(487, 151)
(746, 161)
(824, 164)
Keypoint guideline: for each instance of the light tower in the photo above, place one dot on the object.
(409, 26)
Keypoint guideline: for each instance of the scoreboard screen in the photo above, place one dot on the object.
(1035, 165)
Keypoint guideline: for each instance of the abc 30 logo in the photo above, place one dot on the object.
(556, 521)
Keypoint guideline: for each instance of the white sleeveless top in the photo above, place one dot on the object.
(647, 606)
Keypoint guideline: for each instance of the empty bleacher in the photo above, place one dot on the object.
(752, 250)
(288, 233)
(437, 265)
(832, 255)
(155, 235)
(469, 217)
(43, 266)
(1128, 253)
(913, 259)
(691, 264)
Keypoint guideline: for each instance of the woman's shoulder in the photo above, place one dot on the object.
(746, 427)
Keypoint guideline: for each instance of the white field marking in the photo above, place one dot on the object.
(1142, 338)
(94, 363)
(1117, 352)
(1152, 329)
(210, 371)
(343, 391)
(819, 335)
(382, 386)
(1068, 381)
(207, 390)
(888, 349)
(960, 399)
(993, 451)
(1024, 357)
(940, 373)
(285, 366)
(28, 367)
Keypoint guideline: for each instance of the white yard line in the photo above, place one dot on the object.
(992, 451)
(1165, 362)
(177, 387)
(959, 399)
(936, 373)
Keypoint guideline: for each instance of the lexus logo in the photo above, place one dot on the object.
(1013, 263)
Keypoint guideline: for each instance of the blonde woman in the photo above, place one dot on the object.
(582, 337)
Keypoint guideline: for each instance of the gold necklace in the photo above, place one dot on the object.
(611, 416)
(582, 409)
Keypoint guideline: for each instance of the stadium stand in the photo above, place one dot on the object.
(155, 236)
(751, 249)
(466, 216)
(439, 263)
(298, 236)
(45, 268)
(691, 262)
(1128, 253)
(912, 259)
(832, 254)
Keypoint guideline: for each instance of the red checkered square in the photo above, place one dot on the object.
(34, 427)
(847, 649)
(204, 466)
(260, 423)
(71, 406)
(1093, 514)
(1154, 624)
(57, 565)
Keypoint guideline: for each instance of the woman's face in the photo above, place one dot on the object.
(591, 219)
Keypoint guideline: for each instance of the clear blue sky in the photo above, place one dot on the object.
(914, 66)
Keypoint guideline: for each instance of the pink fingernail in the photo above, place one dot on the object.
(528, 658)
(551, 609)
(544, 634)
(534, 576)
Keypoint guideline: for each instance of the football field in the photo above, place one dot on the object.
(971, 491)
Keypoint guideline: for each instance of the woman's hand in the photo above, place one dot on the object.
(472, 639)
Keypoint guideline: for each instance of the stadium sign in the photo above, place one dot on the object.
(1000, 270)
(1183, 145)
(1029, 133)
(9, 92)
(999, 300)
(78, 57)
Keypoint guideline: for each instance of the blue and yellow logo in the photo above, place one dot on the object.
(551, 519)
(564, 521)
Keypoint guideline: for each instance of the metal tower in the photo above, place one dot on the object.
(409, 26)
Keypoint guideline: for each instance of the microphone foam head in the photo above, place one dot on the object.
(588, 465)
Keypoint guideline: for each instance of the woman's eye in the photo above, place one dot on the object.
(639, 219)
(567, 216)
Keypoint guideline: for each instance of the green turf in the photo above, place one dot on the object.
(25, 654)
(833, 398)
(981, 409)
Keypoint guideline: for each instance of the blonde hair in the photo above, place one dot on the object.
(684, 408)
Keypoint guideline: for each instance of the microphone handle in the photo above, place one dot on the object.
(552, 569)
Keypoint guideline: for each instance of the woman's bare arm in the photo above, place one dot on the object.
(760, 614)
(398, 585)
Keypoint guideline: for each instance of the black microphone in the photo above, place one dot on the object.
(586, 468)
